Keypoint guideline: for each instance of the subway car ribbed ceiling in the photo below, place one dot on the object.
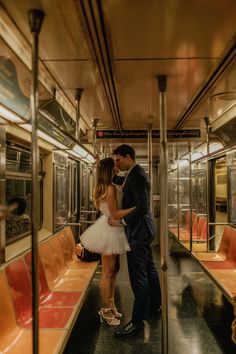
(114, 49)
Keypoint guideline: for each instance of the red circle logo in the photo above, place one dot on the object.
(100, 134)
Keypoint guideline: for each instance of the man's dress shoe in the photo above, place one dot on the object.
(130, 329)
(155, 313)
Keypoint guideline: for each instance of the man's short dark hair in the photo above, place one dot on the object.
(124, 150)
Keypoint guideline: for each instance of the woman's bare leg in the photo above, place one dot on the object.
(107, 281)
(113, 278)
(113, 286)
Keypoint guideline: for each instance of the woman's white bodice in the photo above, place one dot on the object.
(104, 207)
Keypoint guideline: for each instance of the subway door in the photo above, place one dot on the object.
(231, 183)
(73, 195)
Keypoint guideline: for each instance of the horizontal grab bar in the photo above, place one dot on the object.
(88, 211)
(222, 223)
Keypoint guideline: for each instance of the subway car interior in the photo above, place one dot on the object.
(77, 79)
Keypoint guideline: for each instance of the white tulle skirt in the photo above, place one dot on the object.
(102, 238)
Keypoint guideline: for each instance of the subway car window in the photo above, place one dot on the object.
(18, 188)
(85, 187)
(184, 202)
(173, 198)
(60, 177)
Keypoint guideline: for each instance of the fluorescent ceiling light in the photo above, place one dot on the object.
(9, 115)
(215, 146)
(79, 151)
(196, 156)
(45, 136)
(51, 140)
(71, 152)
(89, 158)
(27, 127)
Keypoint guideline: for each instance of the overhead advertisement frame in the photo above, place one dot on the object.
(136, 134)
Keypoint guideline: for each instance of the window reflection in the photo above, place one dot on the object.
(60, 196)
(19, 222)
(18, 188)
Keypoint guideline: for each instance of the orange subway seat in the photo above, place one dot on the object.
(227, 279)
(194, 226)
(202, 228)
(47, 297)
(67, 241)
(59, 260)
(16, 340)
(187, 220)
(225, 241)
(230, 261)
(21, 293)
(63, 270)
(221, 254)
(56, 281)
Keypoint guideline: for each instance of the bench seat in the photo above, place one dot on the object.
(230, 261)
(227, 279)
(221, 267)
(59, 277)
(199, 228)
(46, 296)
(221, 254)
(17, 340)
(67, 241)
(62, 291)
(21, 293)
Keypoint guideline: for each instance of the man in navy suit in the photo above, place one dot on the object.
(140, 232)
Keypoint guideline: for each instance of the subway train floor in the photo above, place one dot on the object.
(199, 316)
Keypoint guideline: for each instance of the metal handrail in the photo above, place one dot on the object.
(162, 82)
(222, 223)
(35, 18)
(213, 236)
(88, 211)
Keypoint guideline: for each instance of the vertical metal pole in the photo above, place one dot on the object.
(162, 82)
(2, 188)
(78, 94)
(190, 197)
(207, 181)
(95, 123)
(35, 18)
(178, 204)
(150, 161)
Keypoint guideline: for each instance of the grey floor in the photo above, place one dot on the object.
(199, 317)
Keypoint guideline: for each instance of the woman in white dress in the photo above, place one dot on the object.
(107, 240)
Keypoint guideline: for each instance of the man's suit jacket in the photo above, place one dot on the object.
(136, 192)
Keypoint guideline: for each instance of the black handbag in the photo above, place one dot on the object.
(85, 255)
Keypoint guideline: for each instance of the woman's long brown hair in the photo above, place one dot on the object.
(104, 175)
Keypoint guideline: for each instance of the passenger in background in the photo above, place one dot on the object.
(107, 240)
(17, 222)
(140, 232)
(4, 211)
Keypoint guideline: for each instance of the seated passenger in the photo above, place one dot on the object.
(18, 222)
